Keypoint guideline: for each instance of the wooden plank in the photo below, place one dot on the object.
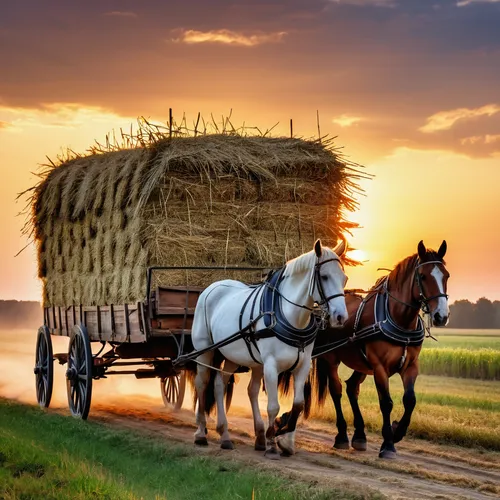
(175, 311)
(99, 325)
(112, 319)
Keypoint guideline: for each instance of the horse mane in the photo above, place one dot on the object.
(405, 267)
(301, 264)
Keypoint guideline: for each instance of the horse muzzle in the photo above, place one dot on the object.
(438, 320)
(338, 319)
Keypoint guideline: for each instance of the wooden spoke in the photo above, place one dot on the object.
(79, 373)
(44, 367)
(172, 390)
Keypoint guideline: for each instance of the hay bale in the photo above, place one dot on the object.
(218, 199)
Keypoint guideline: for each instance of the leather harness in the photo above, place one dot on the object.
(276, 324)
(384, 325)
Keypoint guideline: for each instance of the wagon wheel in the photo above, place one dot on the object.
(79, 373)
(44, 367)
(172, 390)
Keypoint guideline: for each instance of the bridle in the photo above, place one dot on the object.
(317, 282)
(323, 303)
(423, 301)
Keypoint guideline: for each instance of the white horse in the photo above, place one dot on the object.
(229, 306)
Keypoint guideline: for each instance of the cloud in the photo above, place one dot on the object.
(444, 120)
(366, 3)
(346, 120)
(228, 37)
(464, 3)
(486, 139)
(121, 13)
(54, 115)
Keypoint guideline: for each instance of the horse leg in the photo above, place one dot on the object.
(201, 383)
(287, 441)
(387, 450)
(358, 441)
(273, 407)
(253, 395)
(335, 387)
(221, 380)
(409, 376)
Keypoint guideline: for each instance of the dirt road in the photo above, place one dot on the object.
(422, 470)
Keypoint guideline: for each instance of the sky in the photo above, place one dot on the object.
(409, 87)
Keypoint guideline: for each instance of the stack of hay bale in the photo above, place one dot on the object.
(211, 200)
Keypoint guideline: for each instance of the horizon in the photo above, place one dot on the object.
(406, 94)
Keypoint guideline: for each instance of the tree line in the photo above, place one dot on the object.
(463, 314)
(16, 314)
(481, 314)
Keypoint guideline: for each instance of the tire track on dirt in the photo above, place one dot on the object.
(411, 476)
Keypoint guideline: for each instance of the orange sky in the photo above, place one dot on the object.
(405, 93)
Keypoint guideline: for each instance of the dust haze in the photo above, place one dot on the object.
(17, 381)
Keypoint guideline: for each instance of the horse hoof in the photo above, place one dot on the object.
(227, 445)
(201, 441)
(359, 444)
(341, 445)
(260, 446)
(388, 454)
(285, 451)
(272, 454)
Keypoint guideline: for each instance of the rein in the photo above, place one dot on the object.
(250, 335)
(367, 332)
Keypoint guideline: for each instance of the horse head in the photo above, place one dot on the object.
(431, 280)
(328, 282)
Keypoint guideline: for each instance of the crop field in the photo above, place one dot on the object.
(465, 354)
(458, 391)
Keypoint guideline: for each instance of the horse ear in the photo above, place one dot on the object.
(442, 249)
(422, 251)
(317, 248)
(340, 248)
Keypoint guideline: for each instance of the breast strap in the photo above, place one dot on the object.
(276, 324)
(385, 324)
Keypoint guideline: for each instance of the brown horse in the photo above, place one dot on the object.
(383, 336)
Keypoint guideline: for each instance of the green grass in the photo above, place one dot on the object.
(464, 412)
(450, 362)
(472, 342)
(466, 332)
(44, 455)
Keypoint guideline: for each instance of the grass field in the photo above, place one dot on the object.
(44, 455)
(462, 353)
(472, 342)
(466, 332)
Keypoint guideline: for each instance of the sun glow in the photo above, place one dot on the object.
(359, 255)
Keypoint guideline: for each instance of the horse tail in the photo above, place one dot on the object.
(320, 374)
(210, 392)
(229, 392)
(284, 383)
(307, 397)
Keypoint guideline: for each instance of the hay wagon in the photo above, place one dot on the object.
(128, 238)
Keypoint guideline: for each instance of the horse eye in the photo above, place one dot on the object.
(324, 277)
(422, 277)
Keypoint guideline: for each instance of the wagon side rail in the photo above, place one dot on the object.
(170, 310)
